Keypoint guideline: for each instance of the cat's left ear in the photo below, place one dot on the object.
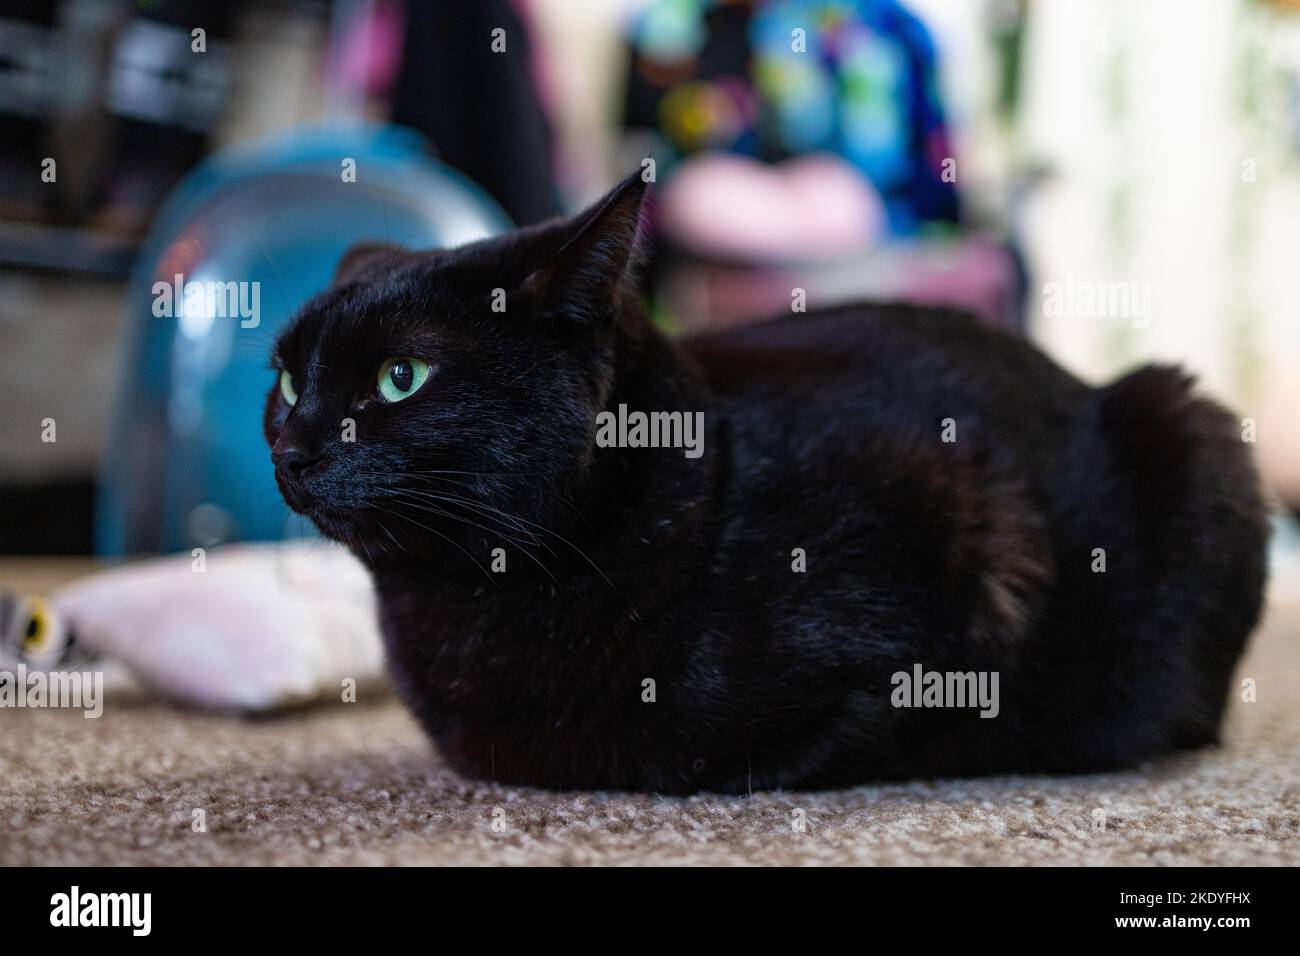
(582, 277)
(366, 257)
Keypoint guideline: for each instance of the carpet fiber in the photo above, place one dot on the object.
(358, 784)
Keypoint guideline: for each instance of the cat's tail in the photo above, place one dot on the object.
(1204, 521)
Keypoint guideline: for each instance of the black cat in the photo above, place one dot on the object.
(884, 492)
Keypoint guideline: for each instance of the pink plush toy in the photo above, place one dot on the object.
(245, 627)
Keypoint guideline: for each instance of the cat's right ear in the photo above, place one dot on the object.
(364, 258)
(596, 251)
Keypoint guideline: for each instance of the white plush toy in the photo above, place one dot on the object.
(244, 627)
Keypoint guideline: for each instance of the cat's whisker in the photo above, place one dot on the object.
(521, 545)
(436, 476)
(485, 510)
(542, 528)
(497, 474)
(420, 524)
(424, 506)
(384, 528)
(480, 503)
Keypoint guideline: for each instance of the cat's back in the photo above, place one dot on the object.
(892, 342)
(891, 364)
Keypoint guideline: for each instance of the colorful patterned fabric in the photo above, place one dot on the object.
(777, 78)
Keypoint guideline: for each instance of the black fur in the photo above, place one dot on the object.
(823, 432)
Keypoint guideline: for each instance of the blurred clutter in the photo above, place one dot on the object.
(1080, 173)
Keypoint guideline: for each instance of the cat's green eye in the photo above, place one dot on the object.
(401, 378)
(286, 388)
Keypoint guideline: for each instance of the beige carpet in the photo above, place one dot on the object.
(358, 784)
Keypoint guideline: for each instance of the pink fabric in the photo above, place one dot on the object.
(371, 52)
(810, 207)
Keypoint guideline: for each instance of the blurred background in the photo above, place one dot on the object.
(1118, 181)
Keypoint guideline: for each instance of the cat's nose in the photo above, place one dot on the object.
(293, 460)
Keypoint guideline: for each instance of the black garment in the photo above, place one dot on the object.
(478, 107)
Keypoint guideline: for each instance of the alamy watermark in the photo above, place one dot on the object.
(922, 688)
(1086, 299)
(179, 299)
(74, 690)
(624, 429)
(133, 911)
